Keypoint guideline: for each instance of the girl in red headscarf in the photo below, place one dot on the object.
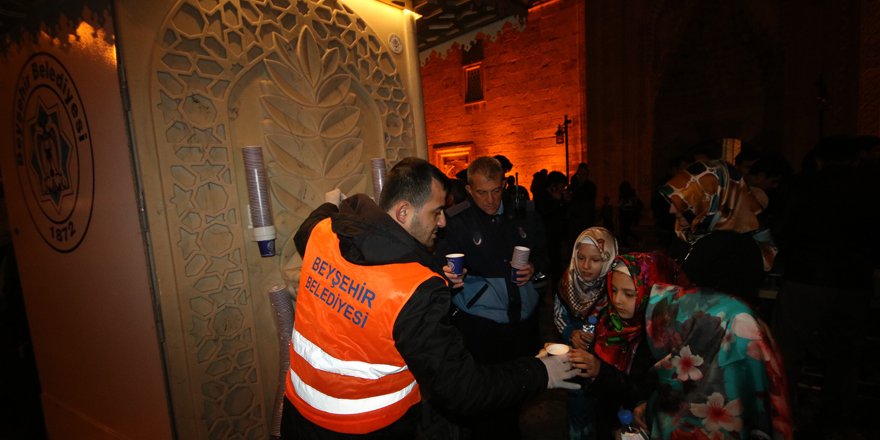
(620, 365)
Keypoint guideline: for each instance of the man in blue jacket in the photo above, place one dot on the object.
(494, 310)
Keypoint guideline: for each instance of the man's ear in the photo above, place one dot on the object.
(402, 211)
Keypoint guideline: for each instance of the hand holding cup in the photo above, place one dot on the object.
(454, 269)
(334, 196)
(588, 364)
(518, 262)
(559, 368)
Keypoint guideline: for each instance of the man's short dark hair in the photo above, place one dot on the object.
(506, 164)
(555, 178)
(410, 180)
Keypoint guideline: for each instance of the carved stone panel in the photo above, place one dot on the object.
(316, 86)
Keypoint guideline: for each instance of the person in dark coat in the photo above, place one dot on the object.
(495, 308)
(336, 365)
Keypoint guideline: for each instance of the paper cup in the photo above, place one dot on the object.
(557, 349)
(265, 238)
(456, 261)
(378, 170)
(520, 257)
(267, 248)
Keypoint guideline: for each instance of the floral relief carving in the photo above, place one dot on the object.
(330, 97)
(312, 127)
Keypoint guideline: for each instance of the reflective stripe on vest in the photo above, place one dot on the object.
(345, 372)
(320, 360)
(330, 404)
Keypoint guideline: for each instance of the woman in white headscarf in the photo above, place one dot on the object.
(583, 282)
(581, 295)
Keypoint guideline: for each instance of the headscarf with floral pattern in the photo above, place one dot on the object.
(617, 338)
(720, 374)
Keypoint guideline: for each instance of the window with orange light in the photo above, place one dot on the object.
(471, 61)
(473, 77)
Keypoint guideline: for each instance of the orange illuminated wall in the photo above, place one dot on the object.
(531, 79)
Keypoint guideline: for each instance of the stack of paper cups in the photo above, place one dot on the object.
(283, 307)
(378, 166)
(258, 198)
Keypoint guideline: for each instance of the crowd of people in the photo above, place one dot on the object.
(390, 341)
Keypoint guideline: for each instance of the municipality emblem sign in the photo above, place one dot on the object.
(53, 152)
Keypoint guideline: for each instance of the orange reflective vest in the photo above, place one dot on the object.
(345, 372)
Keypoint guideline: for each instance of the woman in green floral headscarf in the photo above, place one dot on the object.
(720, 376)
(712, 372)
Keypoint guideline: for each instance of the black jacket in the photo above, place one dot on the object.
(430, 345)
(487, 242)
(615, 389)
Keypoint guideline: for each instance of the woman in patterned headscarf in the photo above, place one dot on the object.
(620, 368)
(581, 293)
(718, 217)
(582, 285)
(720, 376)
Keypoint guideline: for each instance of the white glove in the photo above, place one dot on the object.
(334, 196)
(558, 369)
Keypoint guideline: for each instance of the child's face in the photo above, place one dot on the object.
(623, 295)
(589, 261)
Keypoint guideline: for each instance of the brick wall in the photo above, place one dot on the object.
(662, 76)
(531, 79)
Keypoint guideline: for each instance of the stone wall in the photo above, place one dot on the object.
(532, 78)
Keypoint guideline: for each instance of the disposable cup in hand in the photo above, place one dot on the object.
(520, 257)
(456, 262)
(557, 349)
